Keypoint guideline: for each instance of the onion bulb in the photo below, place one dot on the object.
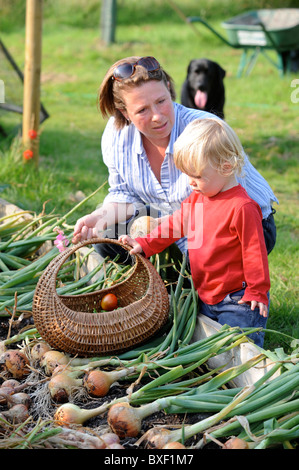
(38, 350)
(16, 363)
(20, 398)
(158, 438)
(62, 384)
(142, 226)
(110, 438)
(235, 443)
(125, 421)
(16, 414)
(5, 393)
(97, 382)
(68, 413)
(12, 383)
(174, 445)
(115, 445)
(52, 359)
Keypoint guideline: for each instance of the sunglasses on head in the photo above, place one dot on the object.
(126, 69)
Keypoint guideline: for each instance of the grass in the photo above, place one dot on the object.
(258, 106)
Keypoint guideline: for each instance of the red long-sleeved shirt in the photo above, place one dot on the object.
(225, 242)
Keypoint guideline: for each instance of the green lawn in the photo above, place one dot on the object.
(74, 61)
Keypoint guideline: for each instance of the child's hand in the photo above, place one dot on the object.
(263, 308)
(126, 240)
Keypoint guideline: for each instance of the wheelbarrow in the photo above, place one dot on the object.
(259, 31)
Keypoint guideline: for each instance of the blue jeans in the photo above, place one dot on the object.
(229, 312)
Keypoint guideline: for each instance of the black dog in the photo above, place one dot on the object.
(203, 87)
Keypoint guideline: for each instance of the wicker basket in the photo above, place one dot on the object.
(68, 323)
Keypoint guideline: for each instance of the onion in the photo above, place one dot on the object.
(62, 384)
(38, 350)
(5, 393)
(158, 438)
(12, 383)
(235, 443)
(110, 438)
(97, 382)
(16, 414)
(20, 398)
(125, 421)
(115, 445)
(16, 363)
(68, 413)
(174, 445)
(142, 226)
(52, 359)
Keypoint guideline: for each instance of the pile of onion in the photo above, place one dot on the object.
(17, 401)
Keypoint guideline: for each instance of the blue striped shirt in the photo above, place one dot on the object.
(131, 179)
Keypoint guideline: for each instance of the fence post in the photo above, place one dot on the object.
(108, 21)
(32, 72)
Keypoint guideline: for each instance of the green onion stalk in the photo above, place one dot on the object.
(78, 415)
(278, 398)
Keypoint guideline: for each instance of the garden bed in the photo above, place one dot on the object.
(204, 383)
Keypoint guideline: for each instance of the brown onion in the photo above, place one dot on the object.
(110, 438)
(98, 383)
(13, 383)
(115, 445)
(157, 438)
(16, 414)
(174, 445)
(125, 421)
(5, 393)
(19, 398)
(52, 359)
(235, 443)
(16, 363)
(38, 350)
(62, 384)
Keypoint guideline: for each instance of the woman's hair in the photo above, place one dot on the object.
(110, 94)
(208, 141)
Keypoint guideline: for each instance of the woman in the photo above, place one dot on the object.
(137, 147)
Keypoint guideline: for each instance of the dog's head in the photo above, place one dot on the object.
(203, 75)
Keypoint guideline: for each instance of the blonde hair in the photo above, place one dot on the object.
(110, 94)
(208, 141)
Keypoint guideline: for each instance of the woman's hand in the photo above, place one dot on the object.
(127, 240)
(262, 307)
(93, 225)
(86, 228)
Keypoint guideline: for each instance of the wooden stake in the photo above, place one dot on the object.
(32, 71)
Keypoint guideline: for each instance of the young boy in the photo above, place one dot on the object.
(223, 226)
